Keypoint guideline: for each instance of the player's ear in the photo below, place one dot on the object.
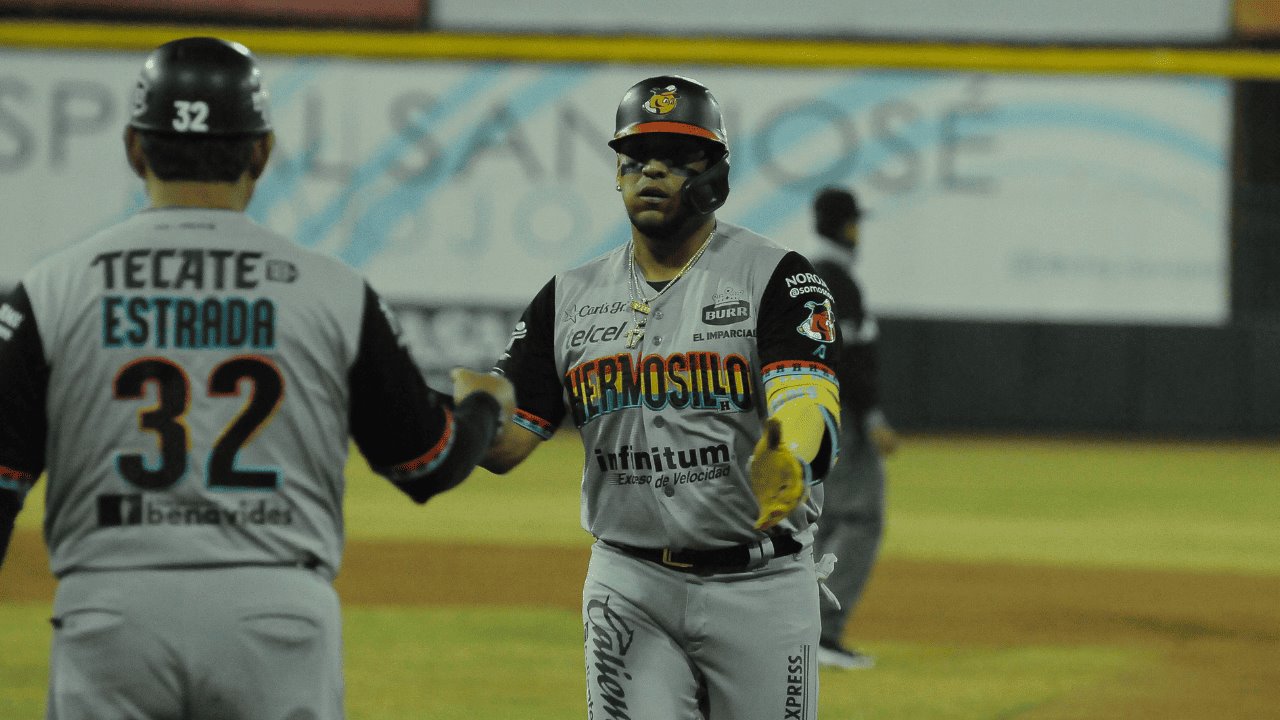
(133, 153)
(261, 153)
(618, 171)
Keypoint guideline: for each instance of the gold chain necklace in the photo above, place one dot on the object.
(642, 306)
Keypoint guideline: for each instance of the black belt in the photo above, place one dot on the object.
(307, 561)
(739, 557)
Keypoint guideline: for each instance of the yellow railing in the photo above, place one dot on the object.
(647, 49)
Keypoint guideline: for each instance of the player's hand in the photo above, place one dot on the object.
(777, 477)
(467, 381)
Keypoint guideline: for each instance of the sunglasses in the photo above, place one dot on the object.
(676, 154)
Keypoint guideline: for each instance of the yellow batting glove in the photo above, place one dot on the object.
(777, 477)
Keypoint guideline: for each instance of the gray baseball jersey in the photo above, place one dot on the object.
(669, 427)
(190, 380)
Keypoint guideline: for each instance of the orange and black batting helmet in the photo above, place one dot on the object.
(670, 104)
(678, 105)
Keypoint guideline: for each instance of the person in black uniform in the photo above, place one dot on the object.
(852, 521)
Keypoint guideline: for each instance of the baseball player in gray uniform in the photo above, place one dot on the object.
(189, 381)
(698, 364)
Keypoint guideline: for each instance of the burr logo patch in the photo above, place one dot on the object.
(728, 306)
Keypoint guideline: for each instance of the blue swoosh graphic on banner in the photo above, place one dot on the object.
(282, 180)
(1119, 122)
(314, 229)
(373, 228)
(1193, 205)
(776, 209)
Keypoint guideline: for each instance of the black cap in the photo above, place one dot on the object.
(832, 208)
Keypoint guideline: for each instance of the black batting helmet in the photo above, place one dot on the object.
(201, 86)
(678, 105)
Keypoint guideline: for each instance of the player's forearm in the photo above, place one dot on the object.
(516, 444)
(475, 423)
(808, 408)
(809, 430)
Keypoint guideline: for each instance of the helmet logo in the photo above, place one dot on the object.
(140, 91)
(259, 100)
(662, 102)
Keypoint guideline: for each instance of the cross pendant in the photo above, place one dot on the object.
(634, 335)
(640, 307)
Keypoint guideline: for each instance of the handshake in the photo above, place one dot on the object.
(467, 382)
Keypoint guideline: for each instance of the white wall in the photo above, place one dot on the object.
(1020, 20)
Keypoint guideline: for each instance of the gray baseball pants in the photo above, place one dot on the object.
(667, 644)
(206, 644)
(851, 526)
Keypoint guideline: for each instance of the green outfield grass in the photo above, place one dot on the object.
(1195, 508)
(1192, 506)
(470, 664)
(1100, 503)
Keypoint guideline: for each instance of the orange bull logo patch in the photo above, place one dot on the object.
(663, 100)
(819, 325)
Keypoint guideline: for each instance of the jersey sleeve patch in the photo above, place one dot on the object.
(798, 369)
(800, 380)
(820, 324)
(16, 480)
(534, 424)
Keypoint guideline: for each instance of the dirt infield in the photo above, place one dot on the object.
(1217, 635)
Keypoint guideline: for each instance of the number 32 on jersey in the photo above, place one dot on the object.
(167, 420)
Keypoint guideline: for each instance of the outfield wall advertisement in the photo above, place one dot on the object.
(459, 184)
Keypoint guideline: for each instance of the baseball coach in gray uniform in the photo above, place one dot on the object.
(698, 363)
(189, 381)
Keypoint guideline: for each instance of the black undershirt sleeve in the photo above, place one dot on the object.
(10, 504)
(407, 431)
(476, 422)
(798, 331)
(858, 360)
(529, 363)
(793, 300)
(24, 383)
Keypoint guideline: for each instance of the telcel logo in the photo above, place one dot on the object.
(726, 313)
(596, 334)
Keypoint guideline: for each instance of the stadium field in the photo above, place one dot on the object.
(1030, 579)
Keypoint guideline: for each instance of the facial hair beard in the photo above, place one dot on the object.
(669, 235)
